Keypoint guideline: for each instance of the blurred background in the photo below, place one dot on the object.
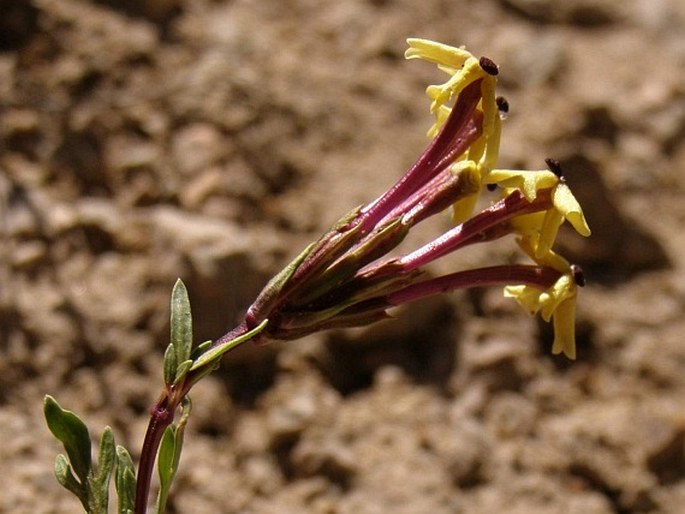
(141, 141)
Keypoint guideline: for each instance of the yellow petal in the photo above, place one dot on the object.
(563, 289)
(492, 149)
(435, 52)
(489, 105)
(548, 232)
(565, 329)
(528, 225)
(527, 297)
(441, 116)
(566, 203)
(463, 208)
(528, 182)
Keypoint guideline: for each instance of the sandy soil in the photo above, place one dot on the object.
(142, 141)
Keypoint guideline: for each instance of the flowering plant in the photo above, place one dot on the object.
(348, 279)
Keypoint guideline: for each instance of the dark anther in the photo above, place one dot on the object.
(578, 275)
(502, 104)
(488, 66)
(491, 187)
(554, 166)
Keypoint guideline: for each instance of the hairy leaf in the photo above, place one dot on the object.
(181, 322)
(73, 433)
(125, 481)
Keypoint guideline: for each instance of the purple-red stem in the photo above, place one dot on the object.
(161, 416)
(513, 205)
(461, 129)
(537, 276)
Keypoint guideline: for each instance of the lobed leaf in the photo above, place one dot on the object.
(73, 433)
(65, 476)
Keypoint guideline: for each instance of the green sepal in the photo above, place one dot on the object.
(98, 483)
(125, 482)
(73, 433)
(270, 295)
(181, 322)
(65, 477)
(182, 370)
(212, 356)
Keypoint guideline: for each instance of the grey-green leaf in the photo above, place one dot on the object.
(125, 481)
(165, 466)
(182, 369)
(200, 349)
(181, 322)
(73, 433)
(169, 364)
(66, 478)
(99, 484)
(165, 458)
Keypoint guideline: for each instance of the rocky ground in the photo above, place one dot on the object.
(142, 141)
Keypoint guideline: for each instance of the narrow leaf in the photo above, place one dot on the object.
(165, 458)
(169, 364)
(165, 466)
(181, 322)
(200, 349)
(99, 483)
(125, 481)
(169, 454)
(73, 433)
(182, 370)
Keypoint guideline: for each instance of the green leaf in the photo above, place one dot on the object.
(125, 481)
(99, 482)
(186, 407)
(165, 458)
(169, 364)
(169, 454)
(73, 433)
(181, 322)
(65, 476)
(182, 370)
(212, 356)
(200, 349)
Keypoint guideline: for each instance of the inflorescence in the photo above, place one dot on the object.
(346, 279)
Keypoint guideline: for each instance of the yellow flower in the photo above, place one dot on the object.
(463, 69)
(557, 303)
(541, 228)
(537, 231)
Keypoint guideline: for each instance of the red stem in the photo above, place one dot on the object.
(537, 276)
(513, 205)
(461, 129)
(161, 416)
